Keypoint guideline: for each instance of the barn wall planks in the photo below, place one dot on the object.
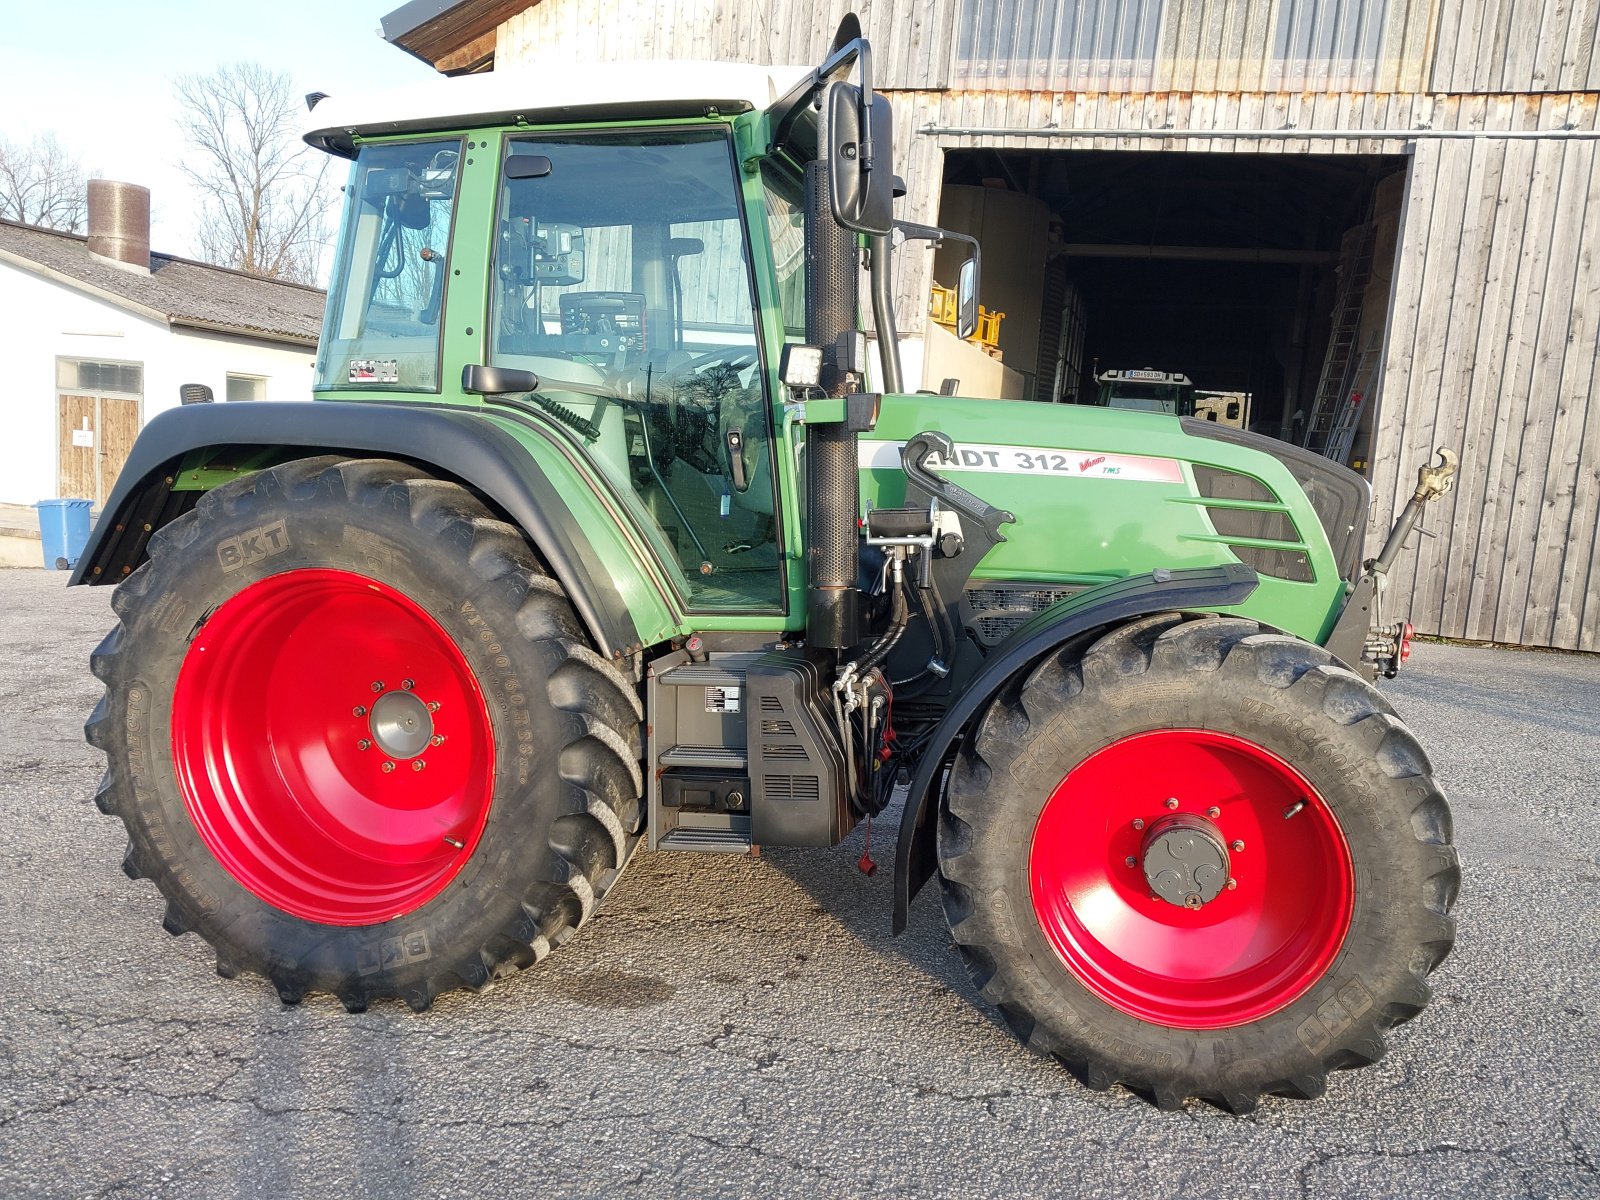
(911, 41)
(1496, 300)
(1523, 46)
(1492, 350)
(1113, 46)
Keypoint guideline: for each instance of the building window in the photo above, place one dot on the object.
(121, 378)
(1057, 43)
(247, 387)
(1324, 43)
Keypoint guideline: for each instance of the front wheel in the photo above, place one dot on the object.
(1200, 860)
(357, 736)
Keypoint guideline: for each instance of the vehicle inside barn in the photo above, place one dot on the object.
(1263, 274)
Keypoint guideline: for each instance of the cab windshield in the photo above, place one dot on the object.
(382, 328)
(621, 279)
(1174, 398)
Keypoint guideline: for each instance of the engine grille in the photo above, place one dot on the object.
(994, 611)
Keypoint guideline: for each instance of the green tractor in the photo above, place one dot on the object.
(593, 535)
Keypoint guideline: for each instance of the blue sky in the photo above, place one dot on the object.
(99, 75)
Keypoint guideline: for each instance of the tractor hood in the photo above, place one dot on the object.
(1164, 491)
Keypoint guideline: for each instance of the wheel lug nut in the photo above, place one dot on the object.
(1213, 812)
(1237, 846)
(387, 767)
(408, 684)
(1231, 884)
(1173, 802)
(417, 764)
(1138, 823)
(377, 685)
(359, 710)
(433, 706)
(364, 744)
(436, 740)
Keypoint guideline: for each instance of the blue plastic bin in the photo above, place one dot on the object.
(64, 528)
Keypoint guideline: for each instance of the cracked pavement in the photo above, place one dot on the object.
(732, 1027)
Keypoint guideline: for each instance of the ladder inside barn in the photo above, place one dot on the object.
(1347, 374)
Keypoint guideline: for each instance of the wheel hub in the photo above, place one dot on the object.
(1185, 860)
(401, 724)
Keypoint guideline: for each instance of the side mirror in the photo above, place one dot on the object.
(860, 159)
(967, 298)
(967, 284)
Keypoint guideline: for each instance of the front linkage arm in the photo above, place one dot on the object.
(1362, 638)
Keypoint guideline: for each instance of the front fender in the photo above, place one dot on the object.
(1201, 589)
(451, 442)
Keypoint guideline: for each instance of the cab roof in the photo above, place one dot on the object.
(546, 95)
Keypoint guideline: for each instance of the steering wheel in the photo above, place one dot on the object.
(737, 357)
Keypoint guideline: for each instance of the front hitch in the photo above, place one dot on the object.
(1362, 637)
(1432, 482)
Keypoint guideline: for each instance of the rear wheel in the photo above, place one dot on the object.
(357, 737)
(1200, 860)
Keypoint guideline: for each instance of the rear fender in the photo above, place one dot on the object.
(1203, 589)
(450, 443)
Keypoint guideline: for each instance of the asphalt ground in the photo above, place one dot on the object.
(734, 1027)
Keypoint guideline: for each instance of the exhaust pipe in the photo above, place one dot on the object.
(833, 495)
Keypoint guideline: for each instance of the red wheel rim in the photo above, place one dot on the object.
(1260, 943)
(300, 716)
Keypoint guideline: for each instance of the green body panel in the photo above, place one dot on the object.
(1082, 522)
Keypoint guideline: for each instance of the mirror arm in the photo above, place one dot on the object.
(911, 231)
(883, 314)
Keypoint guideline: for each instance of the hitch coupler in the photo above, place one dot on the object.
(1433, 481)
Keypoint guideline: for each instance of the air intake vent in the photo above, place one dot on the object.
(1217, 484)
(793, 787)
(777, 728)
(995, 611)
(1253, 523)
(771, 704)
(1280, 564)
(790, 751)
(1338, 494)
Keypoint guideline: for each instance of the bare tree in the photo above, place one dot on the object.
(41, 184)
(263, 210)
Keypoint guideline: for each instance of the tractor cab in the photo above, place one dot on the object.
(1145, 390)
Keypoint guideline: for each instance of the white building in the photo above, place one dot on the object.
(98, 333)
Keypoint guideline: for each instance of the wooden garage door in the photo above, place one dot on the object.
(95, 435)
(79, 442)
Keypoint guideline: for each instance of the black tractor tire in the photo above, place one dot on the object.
(559, 810)
(1277, 695)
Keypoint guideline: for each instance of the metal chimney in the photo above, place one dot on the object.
(119, 222)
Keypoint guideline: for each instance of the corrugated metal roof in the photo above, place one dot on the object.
(178, 290)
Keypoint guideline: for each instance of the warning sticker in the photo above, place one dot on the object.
(374, 370)
(1031, 460)
(722, 699)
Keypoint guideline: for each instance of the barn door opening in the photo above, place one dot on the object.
(1260, 280)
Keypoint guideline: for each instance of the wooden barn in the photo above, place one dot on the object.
(1379, 218)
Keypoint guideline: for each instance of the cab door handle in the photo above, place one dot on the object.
(735, 440)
